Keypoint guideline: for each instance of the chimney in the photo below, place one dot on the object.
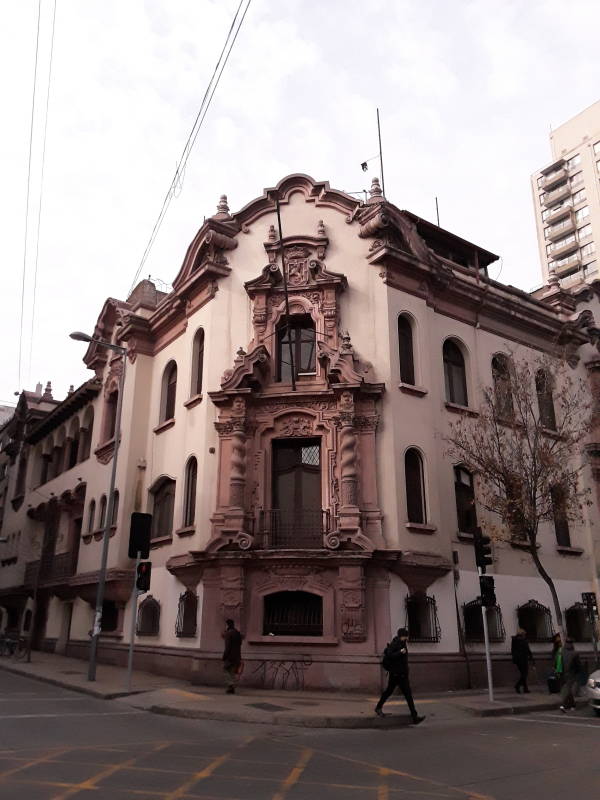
(38, 389)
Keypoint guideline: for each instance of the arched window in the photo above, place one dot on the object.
(162, 508)
(422, 619)
(293, 614)
(464, 493)
(45, 463)
(197, 362)
(86, 434)
(415, 486)
(110, 415)
(405, 350)
(168, 393)
(21, 475)
(73, 453)
(543, 388)
(502, 386)
(115, 509)
(102, 520)
(91, 515)
(455, 374)
(577, 623)
(302, 336)
(187, 614)
(561, 519)
(189, 500)
(536, 621)
(148, 620)
(474, 622)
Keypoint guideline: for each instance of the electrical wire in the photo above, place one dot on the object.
(37, 47)
(176, 183)
(39, 219)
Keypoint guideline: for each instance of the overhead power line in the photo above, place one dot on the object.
(39, 218)
(37, 48)
(230, 40)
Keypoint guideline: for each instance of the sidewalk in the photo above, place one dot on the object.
(309, 708)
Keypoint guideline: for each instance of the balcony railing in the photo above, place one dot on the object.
(561, 248)
(568, 265)
(557, 194)
(286, 530)
(561, 229)
(559, 213)
(554, 178)
(53, 570)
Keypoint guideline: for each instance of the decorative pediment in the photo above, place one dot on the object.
(205, 257)
(342, 365)
(250, 370)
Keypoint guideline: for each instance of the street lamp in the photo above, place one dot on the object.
(84, 337)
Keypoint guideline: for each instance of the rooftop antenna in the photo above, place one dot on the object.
(287, 299)
(437, 211)
(380, 154)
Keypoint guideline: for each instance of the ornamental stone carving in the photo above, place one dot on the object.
(296, 426)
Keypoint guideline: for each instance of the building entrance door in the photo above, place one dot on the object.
(297, 517)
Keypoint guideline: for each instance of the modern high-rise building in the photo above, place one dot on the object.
(566, 197)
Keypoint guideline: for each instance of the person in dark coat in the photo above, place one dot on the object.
(557, 658)
(521, 658)
(571, 669)
(232, 655)
(395, 661)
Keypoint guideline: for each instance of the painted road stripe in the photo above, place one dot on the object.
(564, 724)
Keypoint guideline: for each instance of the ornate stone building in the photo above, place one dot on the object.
(296, 474)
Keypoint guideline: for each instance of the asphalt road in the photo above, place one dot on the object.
(56, 744)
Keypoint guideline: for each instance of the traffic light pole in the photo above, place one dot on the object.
(488, 659)
(134, 599)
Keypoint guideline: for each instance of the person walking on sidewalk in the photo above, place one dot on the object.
(557, 659)
(521, 658)
(572, 668)
(395, 661)
(232, 655)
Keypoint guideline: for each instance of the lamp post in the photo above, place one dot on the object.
(84, 337)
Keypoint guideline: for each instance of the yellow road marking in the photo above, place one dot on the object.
(90, 783)
(183, 693)
(47, 757)
(198, 776)
(383, 790)
(294, 774)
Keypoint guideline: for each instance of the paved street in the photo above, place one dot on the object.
(58, 744)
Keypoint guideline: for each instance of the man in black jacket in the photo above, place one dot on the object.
(521, 656)
(232, 655)
(395, 661)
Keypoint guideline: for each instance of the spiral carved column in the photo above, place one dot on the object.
(348, 468)
(237, 476)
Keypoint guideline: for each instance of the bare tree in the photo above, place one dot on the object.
(525, 448)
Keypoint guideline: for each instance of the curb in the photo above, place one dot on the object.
(63, 684)
(283, 719)
(504, 710)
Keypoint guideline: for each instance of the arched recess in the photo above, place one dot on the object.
(168, 393)
(455, 358)
(162, 495)
(148, 618)
(73, 443)
(86, 434)
(278, 585)
(415, 486)
(197, 362)
(406, 330)
(189, 495)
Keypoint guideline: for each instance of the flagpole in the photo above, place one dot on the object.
(380, 154)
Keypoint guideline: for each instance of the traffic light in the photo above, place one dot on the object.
(483, 550)
(139, 535)
(487, 588)
(144, 571)
(591, 605)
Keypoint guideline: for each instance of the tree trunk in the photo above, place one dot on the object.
(550, 584)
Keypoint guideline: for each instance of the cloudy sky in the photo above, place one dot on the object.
(467, 90)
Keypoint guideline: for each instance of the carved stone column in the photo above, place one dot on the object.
(237, 475)
(353, 616)
(349, 516)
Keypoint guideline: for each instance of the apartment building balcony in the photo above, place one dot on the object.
(559, 213)
(554, 178)
(568, 265)
(562, 228)
(53, 571)
(562, 248)
(557, 195)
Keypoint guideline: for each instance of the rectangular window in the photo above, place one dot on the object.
(584, 232)
(597, 148)
(582, 213)
(579, 196)
(588, 249)
(574, 162)
(577, 179)
(302, 351)
(545, 214)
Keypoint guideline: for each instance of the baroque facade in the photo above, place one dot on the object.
(297, 476)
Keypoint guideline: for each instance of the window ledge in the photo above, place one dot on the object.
(104, 452)
(456, 408)
(194, 400)
(115, 635)
(164, 426)
(464, 536)
(160, 541)
(522, 544)
(189, 530)
(326, 640)
(420, 527)
(569, 551)
(410, 388)
(98, 534)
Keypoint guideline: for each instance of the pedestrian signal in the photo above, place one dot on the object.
(487, 588)
(144, 571)
(483, 550)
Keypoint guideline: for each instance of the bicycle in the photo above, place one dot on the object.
(7, 646)
(21, 649)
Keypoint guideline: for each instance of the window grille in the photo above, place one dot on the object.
(293, 614)
(577, 623)
(536, 621)
(474, 622)
(422, 619)
(187, 613)
(148, 621)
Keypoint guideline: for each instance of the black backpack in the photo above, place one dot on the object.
(387, 662)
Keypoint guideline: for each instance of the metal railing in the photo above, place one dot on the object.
(60, 566)
(302, 529)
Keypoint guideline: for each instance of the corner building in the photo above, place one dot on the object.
(320, 513)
